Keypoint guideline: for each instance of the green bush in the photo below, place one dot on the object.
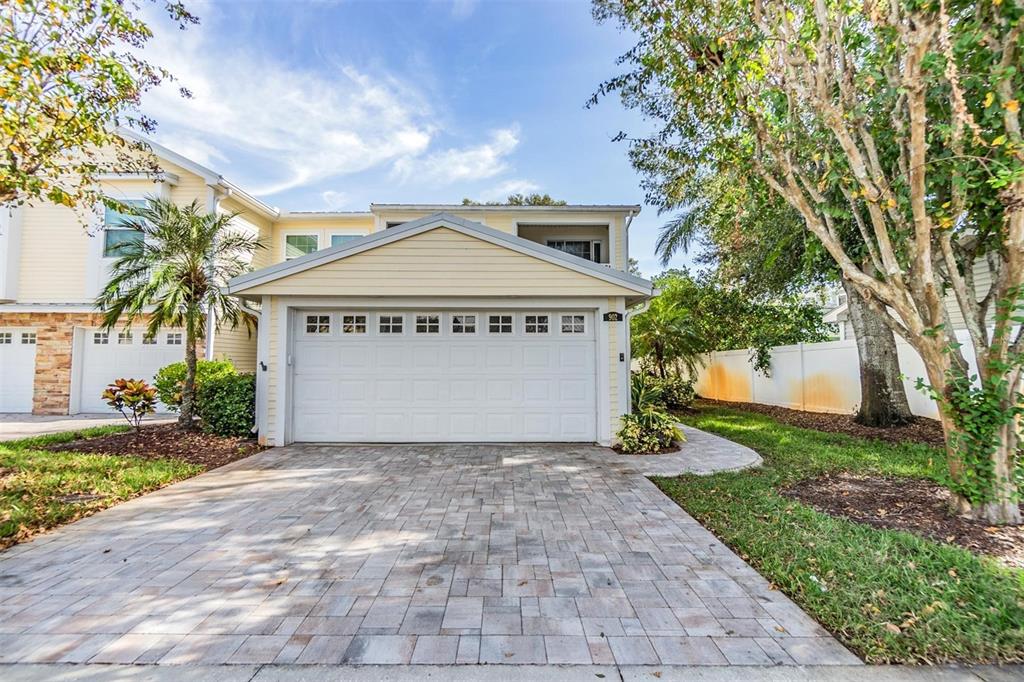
(170, 380)
(227, 405)
(648, 431)
(676, 392)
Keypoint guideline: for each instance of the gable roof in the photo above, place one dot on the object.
(468, 227)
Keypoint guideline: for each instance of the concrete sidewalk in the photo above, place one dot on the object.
(472, 673)
(15, 426)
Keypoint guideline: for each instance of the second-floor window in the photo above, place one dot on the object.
(117, 236)
(296, 245)
(581, 249)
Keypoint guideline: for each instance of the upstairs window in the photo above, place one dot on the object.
(339, 239)
(296, 245)
(118, 237)
(586, 250)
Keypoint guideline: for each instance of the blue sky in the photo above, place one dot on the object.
(335, 104)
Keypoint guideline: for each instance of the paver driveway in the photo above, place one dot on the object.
(398, 554)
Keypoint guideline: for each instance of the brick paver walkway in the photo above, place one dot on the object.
(399, 554)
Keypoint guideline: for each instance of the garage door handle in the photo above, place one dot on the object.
(289, 361)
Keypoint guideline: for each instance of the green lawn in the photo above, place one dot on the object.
(38, 488)
(857, 581)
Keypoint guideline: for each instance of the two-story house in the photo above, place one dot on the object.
(401, 323)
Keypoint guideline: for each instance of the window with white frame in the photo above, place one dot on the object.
(296, 245)
(6, 338)
(118, 235)
(574, 324)
(28, 338)
(174, 338)
(124, 338)
(353, 324)
(499, 324)
(579, 248)
(100, 338)
(318, 324)
(428, 324)
(390, 324)
(535, 324)
(339, 239)
(463, 324)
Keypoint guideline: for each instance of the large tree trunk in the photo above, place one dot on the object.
(883, 399)
(188, 392)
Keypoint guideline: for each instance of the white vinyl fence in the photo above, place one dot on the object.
(818, 377)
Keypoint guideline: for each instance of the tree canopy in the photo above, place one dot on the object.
(518, 200)
(73, 73)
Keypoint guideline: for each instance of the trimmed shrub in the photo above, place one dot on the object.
(227, 404)
(170, 380)
(676, 392)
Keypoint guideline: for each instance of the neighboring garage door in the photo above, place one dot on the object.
(17, 369)
(106, 356)
(382, 376)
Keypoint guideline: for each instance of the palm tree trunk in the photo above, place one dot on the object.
(188, 392)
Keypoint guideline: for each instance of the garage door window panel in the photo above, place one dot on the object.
(124, 338)
(536, 324)
(499, 324)
(6, 338)
(463, 324)
(428, 324)
(390, 324)
(28, 338)
(318, 324)
(574, 324)
(174, 339)
(100, 338)
(353, 324)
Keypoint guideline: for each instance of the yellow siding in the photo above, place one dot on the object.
(616, 304)
(618, 230)
(55, 249)
(238, 346)
(441, 262)
(323, 228)
(272, 374)
(57, 244)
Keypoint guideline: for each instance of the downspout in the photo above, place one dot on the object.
(625, 237)
(212, 201)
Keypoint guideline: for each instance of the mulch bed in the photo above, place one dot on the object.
(167, 441)
(914, 505)
(669, 450)
(920, 430)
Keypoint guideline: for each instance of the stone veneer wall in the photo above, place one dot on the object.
(54, 342)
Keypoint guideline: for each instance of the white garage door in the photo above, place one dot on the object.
(17, 369)
(380, 376)
(106, 356)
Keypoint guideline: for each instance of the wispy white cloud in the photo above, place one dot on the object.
(461, 164)
(501, 191)
(294, 123)
(333, 199)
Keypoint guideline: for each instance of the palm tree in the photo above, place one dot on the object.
(664, 334)
(173, 274)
